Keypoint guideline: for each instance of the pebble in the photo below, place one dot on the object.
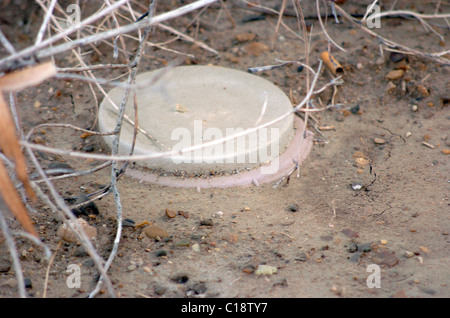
(155, 232)
(171, 213)
(423, 90)
(390, 87)
(357, 186)
(256, 48)
(161, 253)
(79, 251)
(379, 141)
(394, 74)
(131, 267)
(396, 56)
(409, 254)
(196, 247)
(248, 269)
(414, 108)
(302, 257)
(352, 248)
(385, 258)
(5, 264)
(183, 242)
(128, 222)
(355, 109)
(207, 222)
(293, 207)
(68, 235)
(160, 290)
(350, 233)
(383, 242)
(27, 282)
(181, 278)
(88, 262)
(265, 270)
(245, 37)
(365, 247)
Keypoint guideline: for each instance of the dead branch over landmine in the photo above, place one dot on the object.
(111, 24)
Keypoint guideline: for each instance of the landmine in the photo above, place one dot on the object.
(187, 106)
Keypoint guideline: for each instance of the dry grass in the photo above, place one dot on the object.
(113, 23)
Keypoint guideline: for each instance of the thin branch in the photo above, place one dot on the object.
(15, 257)
(41, 53)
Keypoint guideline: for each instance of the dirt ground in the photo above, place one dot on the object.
(398, 217)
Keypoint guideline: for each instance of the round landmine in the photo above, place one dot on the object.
(187, 106)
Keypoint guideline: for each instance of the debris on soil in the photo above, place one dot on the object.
(155, 232)
(66, 233)
(266, 270)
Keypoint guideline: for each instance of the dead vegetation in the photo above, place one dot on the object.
(126, 26)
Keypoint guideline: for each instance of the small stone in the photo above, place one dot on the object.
(88, 148)
(396, 56)
(160, 290)
(5, 264)
(68, 235)
(230, 57)
(88, 262)
(424, 249)
(409, 254)
(350, 233)
(414, 108)
(247, 208)
(155, 232)
(183, 242)
(80, 251)
(207, 222)
(390, 87)
(408, 133)
(248, 269)
(245, 37)
(423, 90)
(302, 257)
(385, 258)
(131, 267)
(161, 253)
(196, 247)
(171, 213)
(256, 48)
(352, 248)
(365, 247)
(359, 66)
(355, 109)
(293, 207)
(27, 282)
(265, 270)
(128, 223)
(379, 141)
(395, 74)
(181, 278)
(357, 186)
(383, 242)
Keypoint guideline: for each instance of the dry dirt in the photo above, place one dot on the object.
(398, 220)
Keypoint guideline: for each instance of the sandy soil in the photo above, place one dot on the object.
(398, 219)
